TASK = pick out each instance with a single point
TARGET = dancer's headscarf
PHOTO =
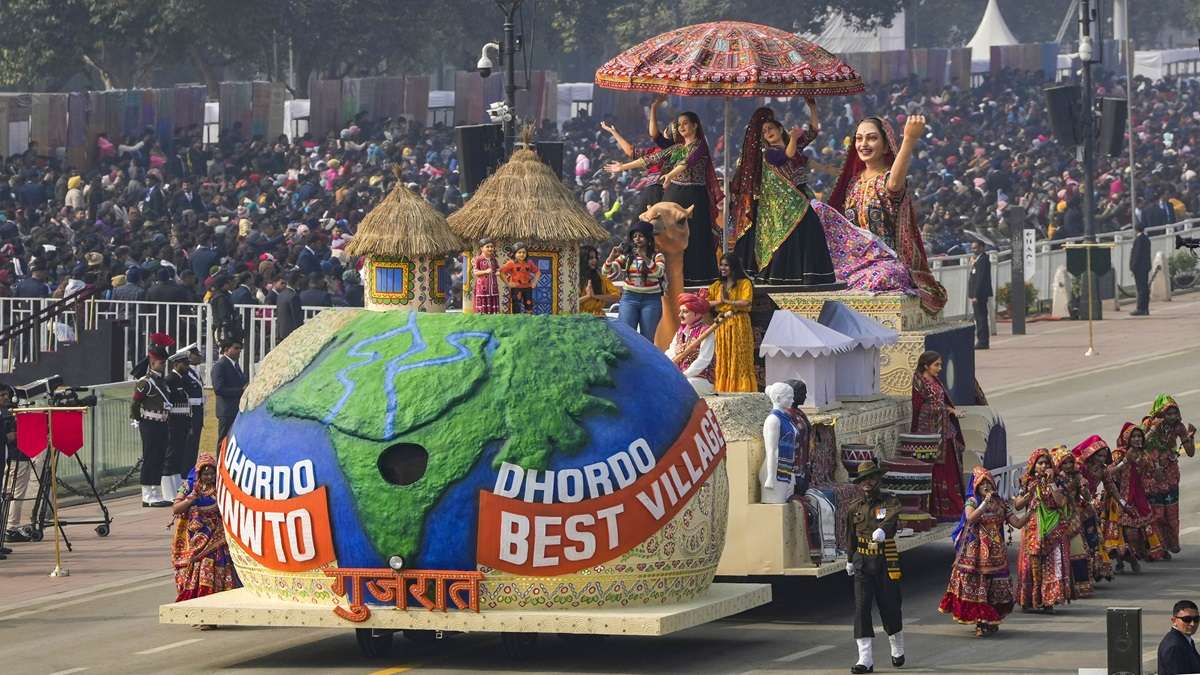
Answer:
(909, 246)
(748, 178)
(203, 460)
(1084, 451)
(978, 477)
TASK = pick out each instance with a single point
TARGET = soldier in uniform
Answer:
(875, 566)
(179, 423)
(195, 391)
(149, 411)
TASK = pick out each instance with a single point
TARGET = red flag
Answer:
(32, 432)
(68, 430)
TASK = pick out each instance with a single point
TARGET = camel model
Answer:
(670, 221)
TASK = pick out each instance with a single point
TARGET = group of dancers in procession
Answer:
(1084, 513)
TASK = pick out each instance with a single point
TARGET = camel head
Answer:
(670, 221)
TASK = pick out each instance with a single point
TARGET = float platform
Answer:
(241, 607)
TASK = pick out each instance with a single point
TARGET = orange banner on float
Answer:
(289, 535)
(536, 539)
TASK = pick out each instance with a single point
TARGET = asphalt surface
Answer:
(806, 629)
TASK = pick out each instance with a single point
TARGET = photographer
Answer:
(18, 467)
(8, 453)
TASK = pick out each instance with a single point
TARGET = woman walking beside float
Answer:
(1131, 464)
(199, 551)
(933, 413)
(872, 192)
(980, 590)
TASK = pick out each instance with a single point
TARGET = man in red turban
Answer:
(692, 353)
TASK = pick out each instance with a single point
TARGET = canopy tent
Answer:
(992, 32)
(841, 37)
(798, 347)
(857, 369)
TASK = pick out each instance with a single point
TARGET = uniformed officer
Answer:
(179, 423)
(149, 411)
(195, 391)
(875, 565)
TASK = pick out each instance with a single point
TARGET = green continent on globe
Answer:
(453, 384)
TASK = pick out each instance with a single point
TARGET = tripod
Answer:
(44, 507)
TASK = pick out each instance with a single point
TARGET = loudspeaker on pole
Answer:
(480, 152)
(1112, 125)
(1062, 103)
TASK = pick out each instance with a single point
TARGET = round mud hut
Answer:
(406, 243)
(524, 201)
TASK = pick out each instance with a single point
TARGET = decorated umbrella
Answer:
(729, 58)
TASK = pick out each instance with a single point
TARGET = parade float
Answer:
(402, 470)
(406, 469)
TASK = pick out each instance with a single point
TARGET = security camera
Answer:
(485, 65)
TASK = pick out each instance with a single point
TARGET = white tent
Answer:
(992, 32)
(858, 368)
(800, 348)
(840, 37)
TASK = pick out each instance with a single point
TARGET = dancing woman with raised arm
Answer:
(872, 192)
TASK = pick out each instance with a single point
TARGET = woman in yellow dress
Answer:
(734, 292)
(596, 292)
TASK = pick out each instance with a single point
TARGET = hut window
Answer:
(392, 282)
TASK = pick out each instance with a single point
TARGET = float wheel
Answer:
(518, 645)
(374, 644)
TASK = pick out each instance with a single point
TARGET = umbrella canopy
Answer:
(729, 58)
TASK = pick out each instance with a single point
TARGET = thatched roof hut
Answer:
(525, 201)
(404, 224)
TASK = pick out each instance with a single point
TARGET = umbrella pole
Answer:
(725, 226)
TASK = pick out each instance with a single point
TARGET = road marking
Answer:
(1089, 418)
(1034, 431)
(915, 619)
(1189, 530)
(1143, 404)
(68, 671)
(392, 671)
(795, 656)
(164, 648)
(89, 594)
(1189, 392)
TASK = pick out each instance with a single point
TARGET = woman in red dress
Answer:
(980, 589)
(933, 413)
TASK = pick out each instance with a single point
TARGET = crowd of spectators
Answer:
(251, 216)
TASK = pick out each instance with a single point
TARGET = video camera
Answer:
(1187, 242)
(50, 391)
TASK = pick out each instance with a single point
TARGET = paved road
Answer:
(806, 629)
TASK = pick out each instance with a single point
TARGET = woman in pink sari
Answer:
(933, 413)
(872, 192)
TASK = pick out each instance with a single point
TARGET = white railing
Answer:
(191, 322)
(186, 322)
(953, 271)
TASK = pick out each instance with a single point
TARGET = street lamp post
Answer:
(1088, 122)
(509, 56)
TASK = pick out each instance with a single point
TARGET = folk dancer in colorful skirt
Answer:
(1094, 461)
(875, 565)
(691, 181)
(872, 192)
(1077, 511)
(734, 292)
(1166, 434)
(1130, 463)
(933, 413)
(980, 589)
(487, 286)
(775, 233)
(649, 187)
(1043, 561)
(695, 363)
(199, 551)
